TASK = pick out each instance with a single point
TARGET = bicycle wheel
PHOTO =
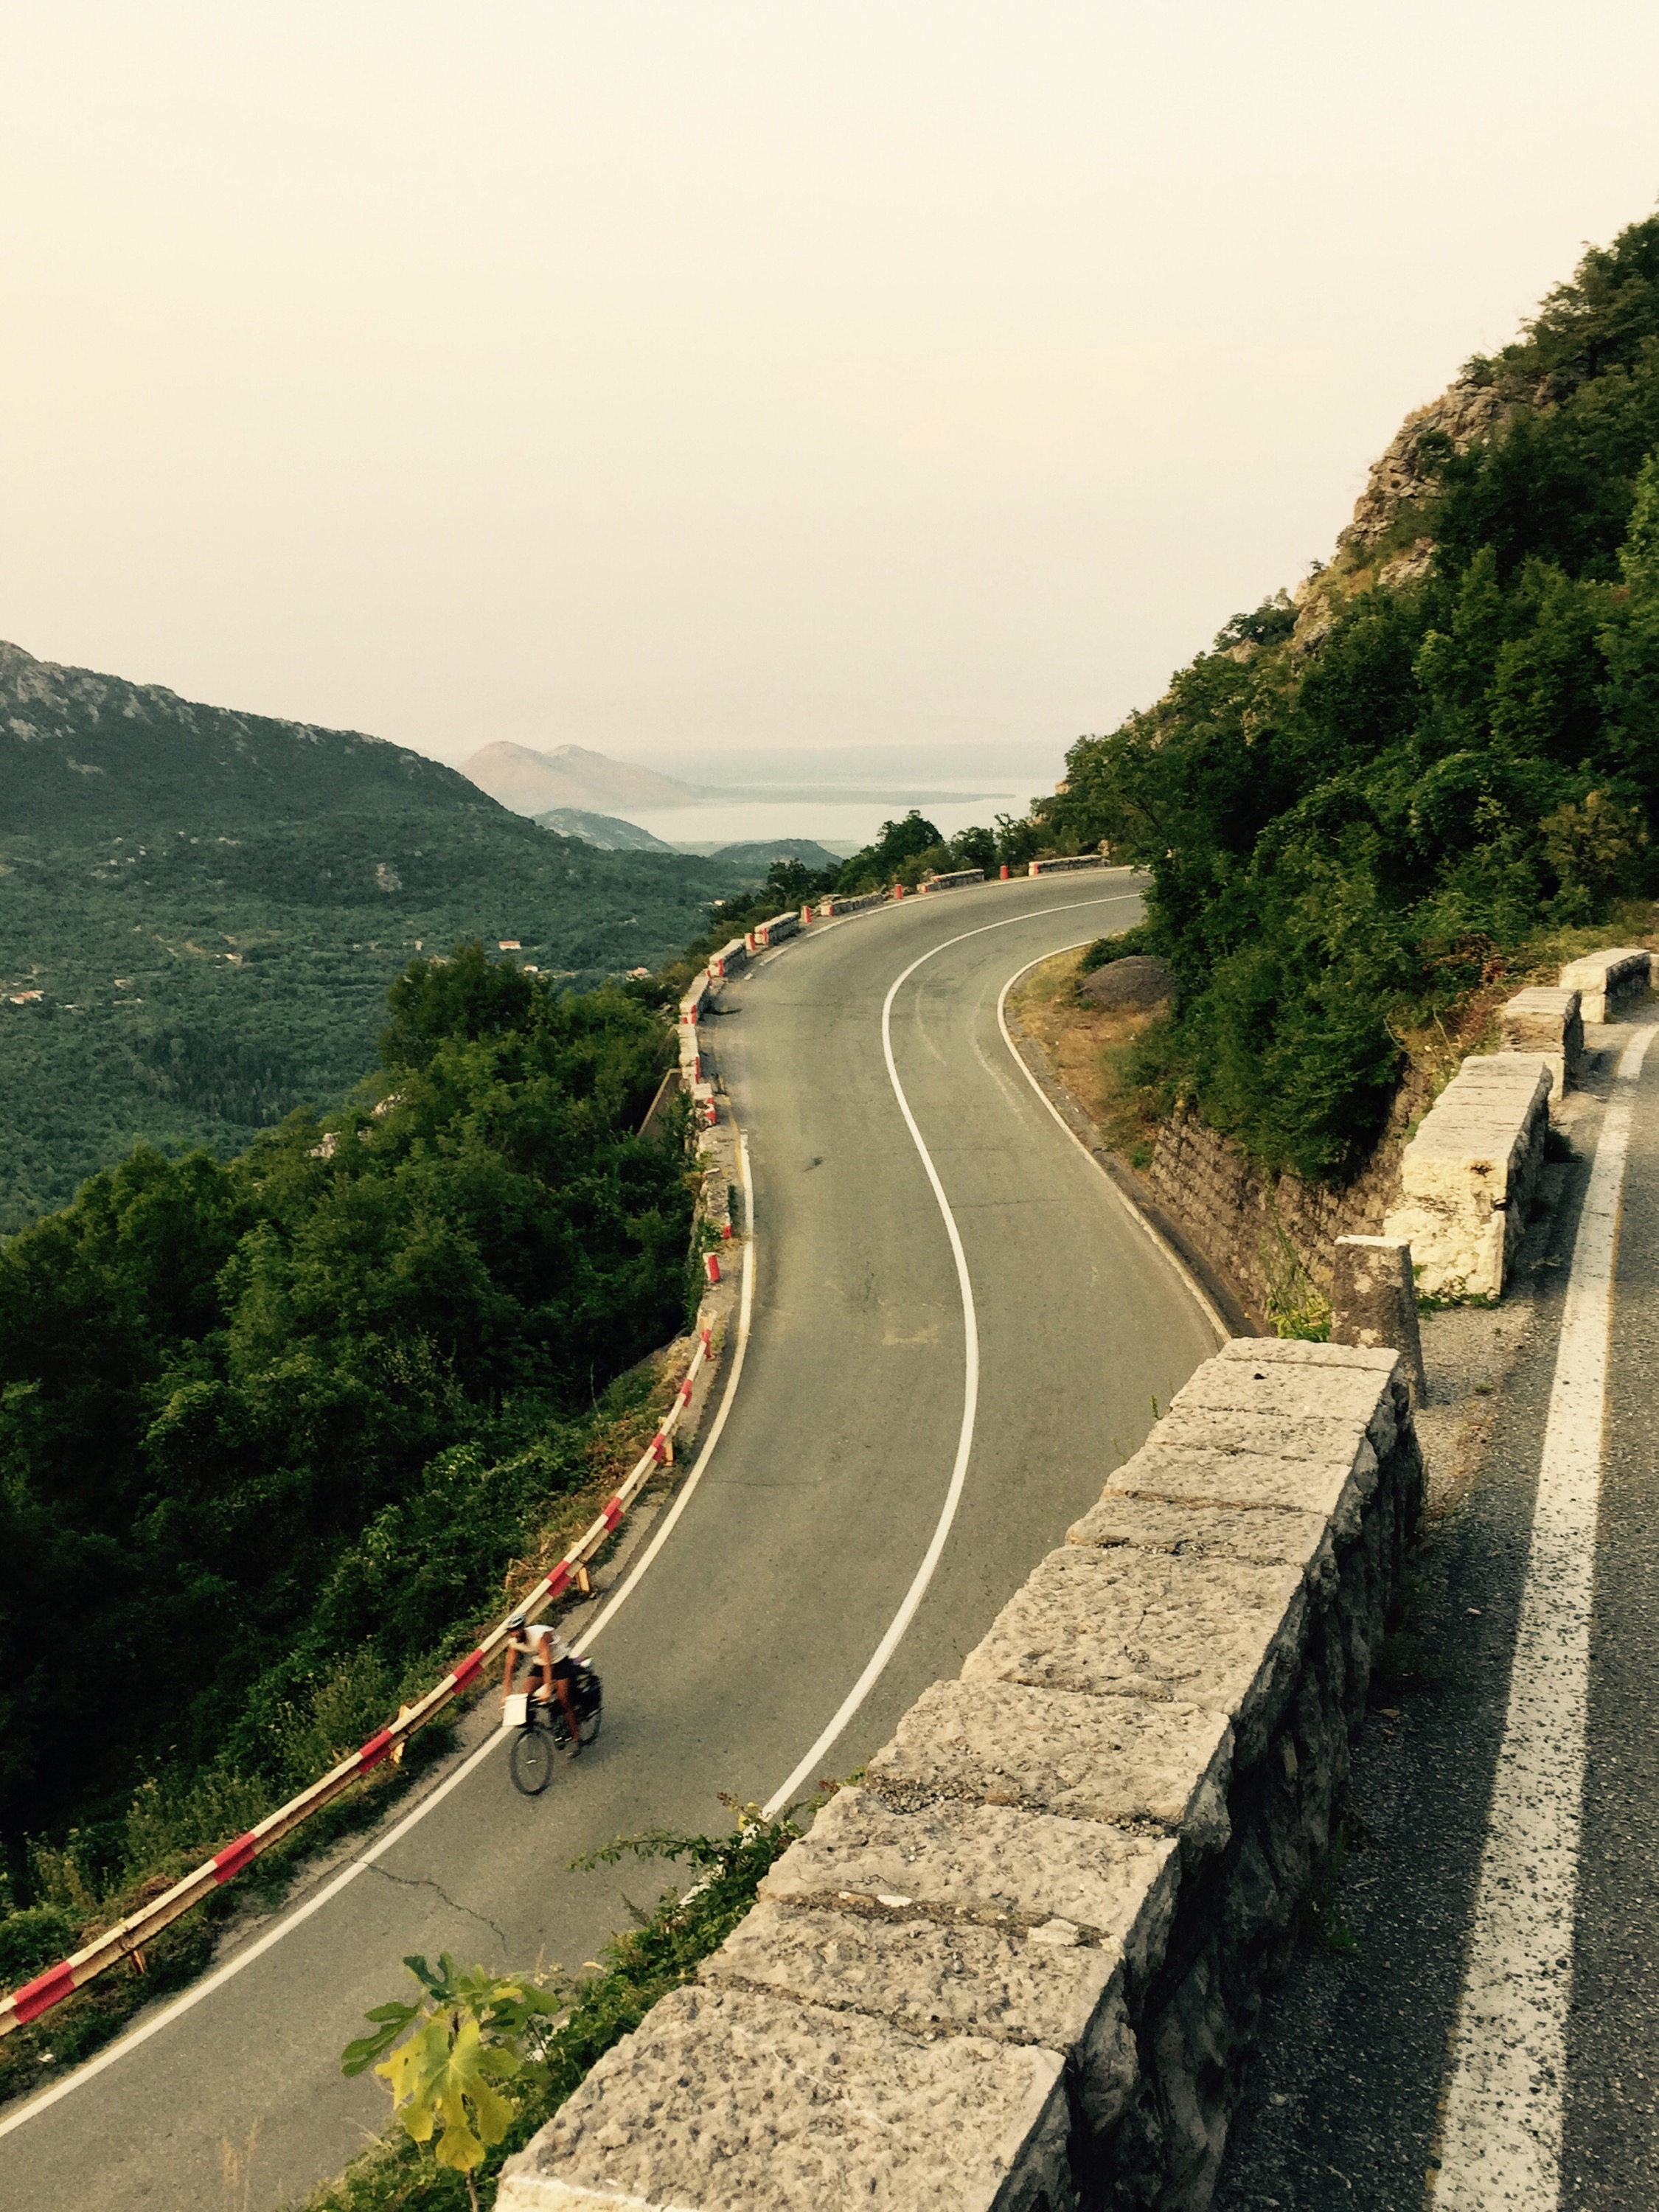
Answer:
(588, 1726)
(531, 1760)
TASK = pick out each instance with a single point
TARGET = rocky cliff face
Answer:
(1466, 410)
(1367, 550)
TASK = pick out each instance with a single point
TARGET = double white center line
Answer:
(1501, 2126)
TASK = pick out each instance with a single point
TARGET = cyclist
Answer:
(549, 1655)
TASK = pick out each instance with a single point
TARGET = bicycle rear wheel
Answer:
(531, 1760)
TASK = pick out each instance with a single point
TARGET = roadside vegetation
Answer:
(194, 990)
(1360, 812)
(1095, 1051)
(545, 2031)
(276, 1431)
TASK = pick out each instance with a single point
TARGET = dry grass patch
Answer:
(1088, 1049)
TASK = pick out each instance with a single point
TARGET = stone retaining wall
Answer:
(1601, 979)
(1019, 1968)
(1270, 1236)
(1551, 1025)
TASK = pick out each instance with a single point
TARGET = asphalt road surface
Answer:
(1349, 2095)
(797, 1552)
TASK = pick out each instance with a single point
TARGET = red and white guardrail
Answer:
(128, 1938)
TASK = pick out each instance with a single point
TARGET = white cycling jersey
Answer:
(536, 1633)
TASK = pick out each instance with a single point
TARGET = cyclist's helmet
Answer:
(516, 1622)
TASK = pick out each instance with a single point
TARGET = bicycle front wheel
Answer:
(531, 1760)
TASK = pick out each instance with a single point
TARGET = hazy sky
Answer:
(667, 377)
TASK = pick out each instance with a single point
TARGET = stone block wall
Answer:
(833, 906)
(1262, 1231)
(1549, 1024)
(1603, 978)
(1017, 1969)
(1467, 1177)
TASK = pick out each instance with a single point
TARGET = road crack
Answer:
(425, 1881)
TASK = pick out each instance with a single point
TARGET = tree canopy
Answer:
(254, 1413)
(1348, 820)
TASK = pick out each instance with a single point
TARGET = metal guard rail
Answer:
(130, 1936)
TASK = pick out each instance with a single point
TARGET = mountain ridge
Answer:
(201, 912)
(533, 782)
(77, 745)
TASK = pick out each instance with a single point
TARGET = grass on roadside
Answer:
(1093, 1050)
(635, 1969)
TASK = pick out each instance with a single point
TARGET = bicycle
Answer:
(544, 1731)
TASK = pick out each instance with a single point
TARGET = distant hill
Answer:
(605, 832)
(569, 776)
(79, 750)
(200, 911)
(761, 852)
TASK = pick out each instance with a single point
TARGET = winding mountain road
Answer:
(957, 1328)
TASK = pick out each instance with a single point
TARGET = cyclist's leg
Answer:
(564, 1682)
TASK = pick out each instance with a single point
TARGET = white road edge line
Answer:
(195, 1995)
(924, 1575)
(1500, 2131)
(1189, 1281)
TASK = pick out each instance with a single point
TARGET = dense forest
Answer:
(1359, 806)
(201, 912)
(270, 1427)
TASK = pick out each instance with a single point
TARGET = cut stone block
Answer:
(1491, 1071)
(724, 2100)
(1280, 1391)
(923, 1975)
(1468, 1176)
(1374, 1302)
(1335, 1485)
(1624, 971)
(1295, 1351)
(1219, 1634)
(1318, 1438)
(1262, 1536)
(1549, 1024)
(989, 1864)
(1046, 1986)
(1136, 1764)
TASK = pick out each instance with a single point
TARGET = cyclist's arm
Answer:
(508, 1670)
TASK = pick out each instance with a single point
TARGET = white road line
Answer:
(1500, 2142)
(194, 1996)
(808, 1771)
(1189, 1282)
